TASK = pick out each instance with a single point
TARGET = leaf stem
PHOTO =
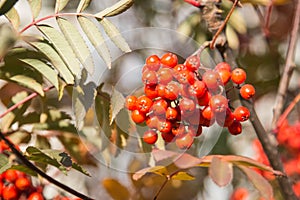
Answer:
(40, 172)
(34, 22)
(288, 68)
(161, 188)
(235, 3)
(28, 98)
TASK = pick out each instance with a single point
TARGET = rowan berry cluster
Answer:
(182, 98)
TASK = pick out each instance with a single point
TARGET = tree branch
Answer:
(40, 172)
(288, 68)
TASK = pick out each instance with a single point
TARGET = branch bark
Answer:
(288, 68)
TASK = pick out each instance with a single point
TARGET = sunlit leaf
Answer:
(35, 6)
(6, 5)
(55, 59)
(96, 39)
(183, 176)
(115, 35)
(117, 103)
(14, 18)
(28, 82)
(83, 4)
(44, 69)
(62, 47)
(115, 189)
(19, 137)
(185, 161)
(232, 37)
(159, 170)
(115, 9)
(4, 163)
(77, 43)
(60, 4)
(237, 22)
(220, 171)
(261, 184)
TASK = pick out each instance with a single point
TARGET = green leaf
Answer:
(115, 35)
(220, 171)
(232, 37)
(55, 59)
(28, 82)
(4, 163)
(20, 137)
(44, 69)
(237, 22)
(183, 176)
(116, 9)
(14, 18)
(62, 47)
(24, 169)
(8, 39)
(117, 103)
(115, 189)
(60, 4)
(6, 5)
(83, 4)
(80, 169)
(96, 39)
(77, 43)
(261, 184)
(35, 6)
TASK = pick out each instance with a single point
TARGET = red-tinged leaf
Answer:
(220, 171)
(115, 189)
(183, 176)
(159, 170)
(248, 162)
(185, 161)
(261, 184)
(160, 155)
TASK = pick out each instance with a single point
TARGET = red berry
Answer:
(164, 126)
(241, 113)
(10, 192)
(238, 76)
(23, 183)
(168, 137)
(150, 137)
(152, 122)
(171, 91)
(218, 103)
(192, 63)
(225, 76)
(211, 79)
(225, 119)
(240, 194)
(10, 175)
(138, 116)
(185, 77)
(153, 62)
(161, 90)
(130, 102)
(169, 60)
(199, 131)
(197, 89)
(151, 91)
(207, 113)
(185, 141)
(144, 104)
(178, 68)
(223, 66)
(171, 113)
(178, 129)
(187, 106)
(149, 78)
(35, 196)
(159, 107)
(1, 188)
(235, 128)
(164, 76)
(247, 91)
(204, 99)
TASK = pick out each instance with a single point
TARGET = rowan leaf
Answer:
(117, 103)
(115, 9)
(55, 59)
(260, 183)
(4, 163)
(8, 38)
(159, 170)
(112, 185)
(220, 171)
(96, 38)
(62, 47)
(77, 43)
(14, 18)
(44, 69)
(35, 6)
(28, 82)
(6, 5)
(60, 4)
(115, 35)
(83, 4)
(183, 176)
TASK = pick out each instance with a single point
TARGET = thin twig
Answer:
(288, 68)
(235, 3)
(268, 19)
(40, 172)
(28, 98)
(161, 188)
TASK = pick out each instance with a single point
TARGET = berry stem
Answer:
(28, 98)
(288, 68)
(40, 172)
(212, 43)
